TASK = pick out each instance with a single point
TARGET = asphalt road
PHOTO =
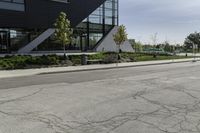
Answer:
(151, 99)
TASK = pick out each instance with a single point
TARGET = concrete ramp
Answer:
(109, 45)
(29, 47)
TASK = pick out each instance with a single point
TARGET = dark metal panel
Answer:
(43, 13)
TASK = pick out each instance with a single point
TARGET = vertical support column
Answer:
(8, 42)
(117, 12)
(103, 10)
(88, 35)
(113, 12)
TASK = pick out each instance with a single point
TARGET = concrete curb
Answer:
(118, 67)
(29, 72)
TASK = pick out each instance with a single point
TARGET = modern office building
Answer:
(27, 25)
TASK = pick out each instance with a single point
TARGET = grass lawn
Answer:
(151, 58)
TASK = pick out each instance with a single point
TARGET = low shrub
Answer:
(20, 62)
(110, 58)
(97, 56)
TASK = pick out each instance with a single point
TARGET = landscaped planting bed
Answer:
(25, 62)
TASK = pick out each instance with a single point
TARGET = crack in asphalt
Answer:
(162, 116)
(117, 121)
(20, 98)
(111, 124)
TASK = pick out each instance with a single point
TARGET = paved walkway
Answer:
(28, 72)
(189, 54)
(50, 53)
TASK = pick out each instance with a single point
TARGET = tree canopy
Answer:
(192, 39)
(63, 31)
(121, 36)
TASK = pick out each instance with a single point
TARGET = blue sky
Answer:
(172, 20)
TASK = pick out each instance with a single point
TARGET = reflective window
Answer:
(99, 23)
(86, 35)
(63, 1)
(16, 5)
(90, 31)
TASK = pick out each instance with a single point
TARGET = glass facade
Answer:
(87, 34)
(13, 39)
(17, 5)
(90, 31)
(97, 25)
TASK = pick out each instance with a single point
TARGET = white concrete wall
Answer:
(109, 45)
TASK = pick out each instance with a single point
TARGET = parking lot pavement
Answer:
(151, 99)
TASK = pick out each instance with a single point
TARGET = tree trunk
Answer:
(64, 51)
(119, 51)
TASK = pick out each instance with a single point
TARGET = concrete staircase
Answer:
(33, 44)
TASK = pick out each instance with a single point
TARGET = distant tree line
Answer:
(192, 42)
(166, 46)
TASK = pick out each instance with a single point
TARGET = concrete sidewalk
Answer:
(28, 72)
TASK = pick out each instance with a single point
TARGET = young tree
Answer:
(120, 37)
(154, 39)
(192, 40)
(167, 47)
(132, 42)
(63, 31)
(137, 45)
